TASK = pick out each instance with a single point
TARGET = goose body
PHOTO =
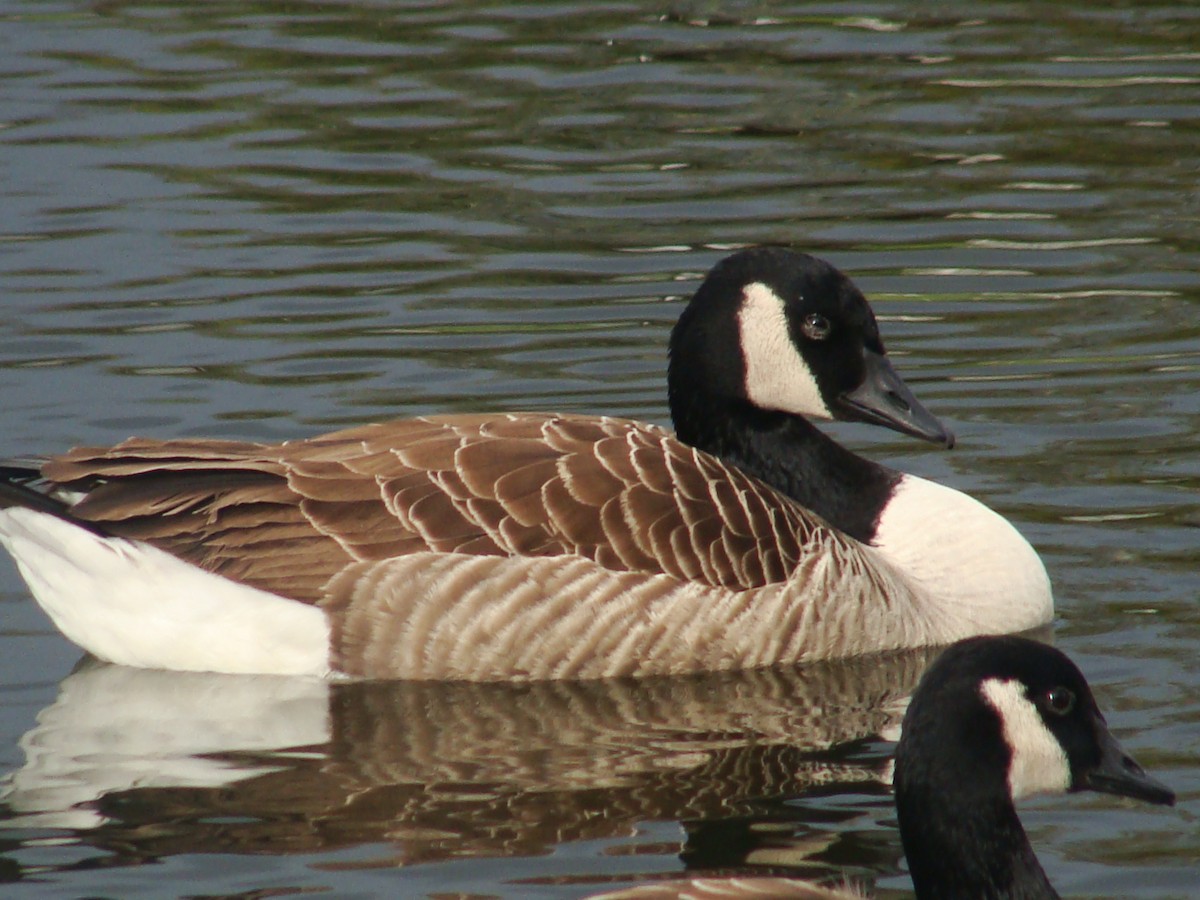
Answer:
(531, 546)
(993, 720)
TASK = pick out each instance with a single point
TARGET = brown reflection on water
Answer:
(446, 770)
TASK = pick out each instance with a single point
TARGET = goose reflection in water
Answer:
(147, 764)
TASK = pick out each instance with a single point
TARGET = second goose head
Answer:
(996, 719)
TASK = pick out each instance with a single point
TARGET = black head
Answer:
(992, 720)
(1040, 716)
(786, 332)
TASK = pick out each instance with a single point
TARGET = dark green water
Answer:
(258, 220)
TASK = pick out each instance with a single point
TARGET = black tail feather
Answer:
(22, 486)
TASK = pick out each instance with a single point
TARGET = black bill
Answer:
(1118, 773)
(884, 399)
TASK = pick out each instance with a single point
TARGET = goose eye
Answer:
(815, 327)
(1059, 700)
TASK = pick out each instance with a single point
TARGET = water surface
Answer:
(259, 219)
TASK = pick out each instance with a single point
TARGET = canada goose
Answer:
(531, 546)
(994, 719)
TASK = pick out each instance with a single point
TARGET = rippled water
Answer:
(259, 219)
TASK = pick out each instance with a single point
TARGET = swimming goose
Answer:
(993, 720)
(535, 546)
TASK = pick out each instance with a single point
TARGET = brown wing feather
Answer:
(289, 518)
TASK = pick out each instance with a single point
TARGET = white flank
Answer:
(131, 603)
(981, 575)
(1039, 764)
(777, 377)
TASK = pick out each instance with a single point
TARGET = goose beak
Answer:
(884, 399)
(1118, 773)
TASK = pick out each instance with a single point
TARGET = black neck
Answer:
(792, 456)
(961, 833)
(980, 851)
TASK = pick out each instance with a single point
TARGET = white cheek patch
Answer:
(1039, 763)
(777, 377)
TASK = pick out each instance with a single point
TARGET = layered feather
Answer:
(508, 547)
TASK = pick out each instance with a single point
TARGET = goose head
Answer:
(996, 719)
(777, 331)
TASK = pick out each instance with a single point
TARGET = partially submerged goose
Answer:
(531, 546)
(993, 720)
